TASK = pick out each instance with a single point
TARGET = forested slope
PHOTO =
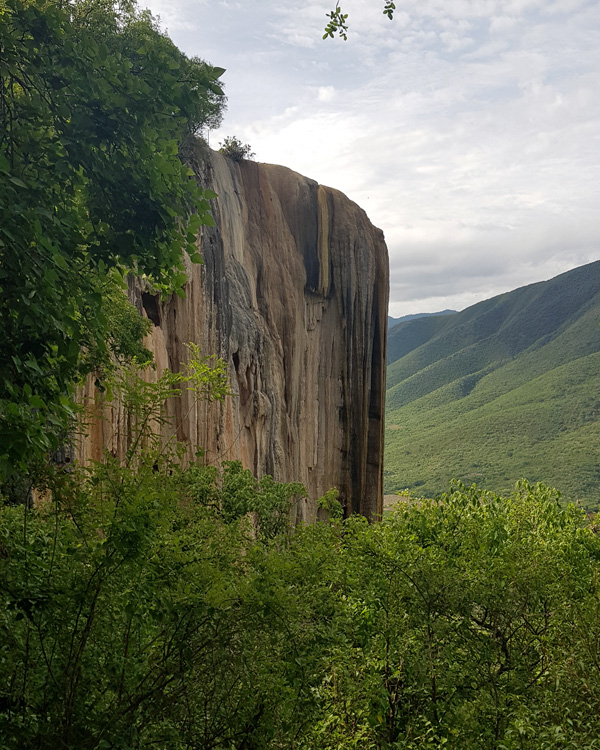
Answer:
(504, 389)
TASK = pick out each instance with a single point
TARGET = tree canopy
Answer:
(143, 608)
(96, 106)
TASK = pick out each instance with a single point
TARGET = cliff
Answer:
(293, 296)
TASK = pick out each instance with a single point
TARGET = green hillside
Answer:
(508, 388)
(394, 321)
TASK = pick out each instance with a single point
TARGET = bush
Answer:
(140, 609)
(234, 149)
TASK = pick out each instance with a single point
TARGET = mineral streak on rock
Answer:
(293, 296)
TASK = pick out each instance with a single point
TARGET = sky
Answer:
(468, 130)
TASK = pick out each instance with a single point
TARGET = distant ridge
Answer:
(509, 387)
(392, 321)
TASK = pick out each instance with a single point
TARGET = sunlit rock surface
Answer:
(293, 296)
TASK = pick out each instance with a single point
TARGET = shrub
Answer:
(234, 149)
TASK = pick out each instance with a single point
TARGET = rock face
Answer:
(293, 296)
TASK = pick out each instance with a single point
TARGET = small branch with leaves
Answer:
(338, 20)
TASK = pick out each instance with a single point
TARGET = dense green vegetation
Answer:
(508, 388)
(394, 321)
(144, 608)
(98, 111)
(234, 149)
(155, 604)
(150, 604)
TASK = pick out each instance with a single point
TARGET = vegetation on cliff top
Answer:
(234, 149)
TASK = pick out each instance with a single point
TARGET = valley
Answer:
(506, 389)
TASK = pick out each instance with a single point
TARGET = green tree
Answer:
(466, 622)
(136, 614)
(140, 609)
(96, 107)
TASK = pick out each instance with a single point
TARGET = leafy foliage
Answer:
(151, 605)
(97, 105)
(338, 20)
(144, 400)
(236, 493)
(128, 600)
(234, 149)
(462, 611)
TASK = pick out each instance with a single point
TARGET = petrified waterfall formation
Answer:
(293, 296)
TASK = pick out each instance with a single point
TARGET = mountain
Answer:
(507, 388)
(392, 321)
(293, 295)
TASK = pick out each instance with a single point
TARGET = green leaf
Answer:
(60, 261)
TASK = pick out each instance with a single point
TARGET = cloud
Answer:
(325, 93)
(502, 24)
(469, 130)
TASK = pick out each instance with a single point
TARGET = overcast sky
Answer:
(469, 130)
